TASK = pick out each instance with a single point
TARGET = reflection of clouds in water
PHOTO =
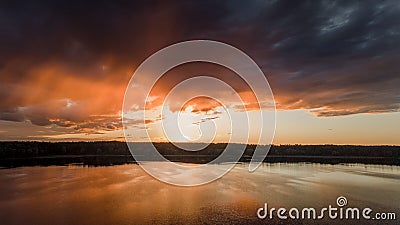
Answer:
(185, 175)
(16, 175)
(126, 194)
(126, 183)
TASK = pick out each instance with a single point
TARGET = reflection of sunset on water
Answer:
(123, 194)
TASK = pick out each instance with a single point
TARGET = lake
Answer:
(125, 194)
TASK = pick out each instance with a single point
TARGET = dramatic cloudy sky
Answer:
(333, 66)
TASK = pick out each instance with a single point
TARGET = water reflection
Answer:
(125, 194)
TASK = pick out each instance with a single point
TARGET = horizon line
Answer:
(142, 142)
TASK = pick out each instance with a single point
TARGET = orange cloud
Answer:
(53, 95)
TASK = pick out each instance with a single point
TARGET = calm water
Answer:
(127, 195)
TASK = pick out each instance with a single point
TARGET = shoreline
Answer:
(17, 154)
(112, 160)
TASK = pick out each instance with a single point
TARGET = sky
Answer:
(333, 66)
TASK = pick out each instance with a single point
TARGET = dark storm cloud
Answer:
(317, 54)
(83, 32)
(333, 57)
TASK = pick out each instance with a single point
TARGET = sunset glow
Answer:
(65, 79)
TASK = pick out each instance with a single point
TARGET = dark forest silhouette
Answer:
(14, 154)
